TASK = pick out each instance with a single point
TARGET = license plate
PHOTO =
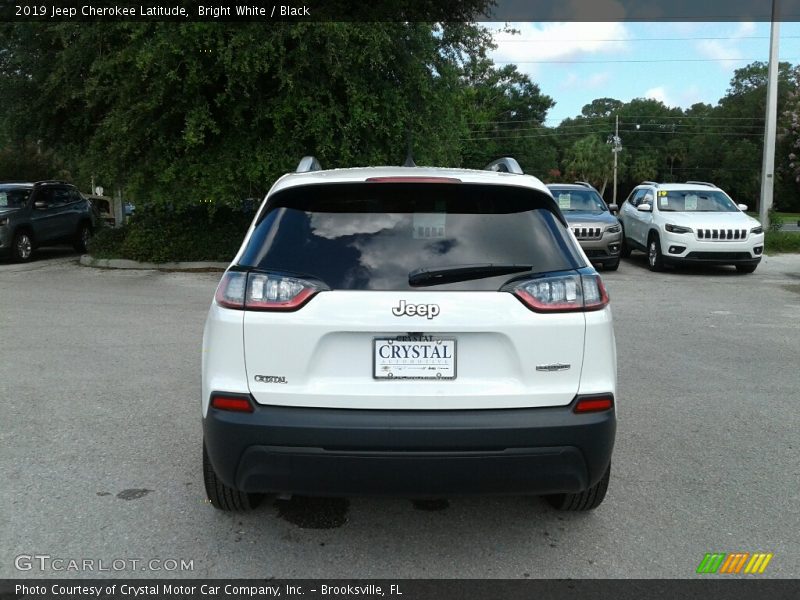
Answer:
(414, 359)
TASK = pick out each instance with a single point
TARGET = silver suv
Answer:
(42, 213)
(593, 222)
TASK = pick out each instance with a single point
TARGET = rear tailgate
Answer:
(324, 356)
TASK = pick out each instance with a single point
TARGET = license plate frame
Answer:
(382, 371)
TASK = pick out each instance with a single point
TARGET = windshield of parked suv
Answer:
(371, 236)
(694, 201)
(579, 200)
(13, 197)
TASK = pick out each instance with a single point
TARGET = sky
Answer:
(677, 63)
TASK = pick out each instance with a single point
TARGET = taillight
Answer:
(587, 404)
(230, 291)
(264, 291)
(562, 293)
(231, 403)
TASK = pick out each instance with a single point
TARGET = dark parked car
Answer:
(43, 214)
(592, 221)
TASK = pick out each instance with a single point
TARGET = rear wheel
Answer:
(82, 237)
(746, 268)
(22, 246)
(654, 257)
(585, 500)
(223, 497)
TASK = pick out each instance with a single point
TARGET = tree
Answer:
(601, 107)
(591, 160)
(211, 112)
(506, 113)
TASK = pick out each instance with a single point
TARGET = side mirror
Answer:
(742, 207)
(613, 208)
(644, 208)
(40, 205)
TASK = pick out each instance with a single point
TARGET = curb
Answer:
(120, 263)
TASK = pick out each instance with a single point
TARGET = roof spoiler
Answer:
(504, 165)
(308, 164)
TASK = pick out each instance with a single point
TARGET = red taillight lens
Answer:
(594, 404)
(563, 293)
(230, 291)
(264, 291)
(232, 403)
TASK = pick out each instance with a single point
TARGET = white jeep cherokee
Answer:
(692, 222)
(409, 331)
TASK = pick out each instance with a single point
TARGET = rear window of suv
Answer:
(370, 236)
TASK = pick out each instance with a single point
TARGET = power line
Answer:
(609, 119)
(641, 127)
(586, 133)
(668, 39)
(631, 60)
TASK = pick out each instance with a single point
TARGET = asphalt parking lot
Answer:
(100, 438)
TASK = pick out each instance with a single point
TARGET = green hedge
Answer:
(164, 236)
(782, 241)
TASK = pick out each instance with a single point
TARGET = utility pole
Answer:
(616, 147)
(768, 163)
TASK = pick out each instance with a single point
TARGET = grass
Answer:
(782, 242)
(783, 216)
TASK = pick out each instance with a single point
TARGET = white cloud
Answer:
(721, 50)
(572, 81)
(659, 93)
(598, 80)
(557, 41)
(691, 95)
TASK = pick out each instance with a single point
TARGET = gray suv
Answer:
(43, 213)
(592, 221)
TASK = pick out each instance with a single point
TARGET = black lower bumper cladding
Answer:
(341, 452)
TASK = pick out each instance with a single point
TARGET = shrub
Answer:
(106, 242)
(166, 235)
(782, 241)
(775, 220)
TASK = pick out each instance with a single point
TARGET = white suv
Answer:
(413, 332)
(692, 222)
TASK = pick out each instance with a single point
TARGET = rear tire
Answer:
(82, 237)
(22, 246)
(611, 266)
(746, 268)
(223, 497)
(582, 501)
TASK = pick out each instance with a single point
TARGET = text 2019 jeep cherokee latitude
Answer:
(413, 332)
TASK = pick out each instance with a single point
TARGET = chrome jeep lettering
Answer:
(411, 310)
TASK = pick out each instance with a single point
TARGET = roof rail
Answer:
(51, 181)
(702, 183)
(504, 165)
(307, 164)
(653, 183)
(585, 184)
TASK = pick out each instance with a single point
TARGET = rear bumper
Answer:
(341, 452)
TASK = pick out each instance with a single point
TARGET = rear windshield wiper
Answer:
(437, 275)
